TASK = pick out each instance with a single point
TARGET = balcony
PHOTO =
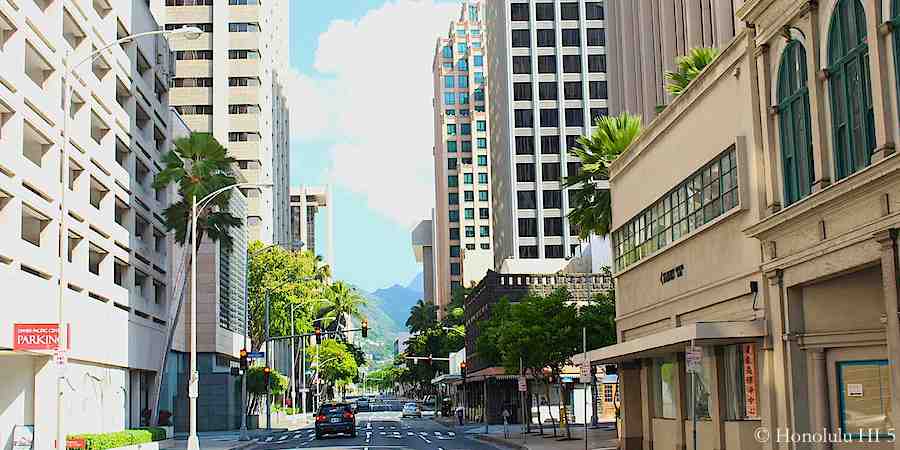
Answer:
(244, 13)
(243, 122)
(190, 96)
(199, 123)
(243, 40)
(243, 150)
(189, 14)
(243, 68)
(244, 95)
(195, 68)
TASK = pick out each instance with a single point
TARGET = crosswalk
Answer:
(389, 432)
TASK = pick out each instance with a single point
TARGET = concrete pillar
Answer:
(779, 380)
(717, 396)
(817, 106)
(45, 373)
(648, 402)
(879, 73)
(889, 263)
(682, 396)
(631, 434)
(818, 386)
(768, 141)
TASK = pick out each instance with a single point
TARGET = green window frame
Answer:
(794, 124)
(850, 89)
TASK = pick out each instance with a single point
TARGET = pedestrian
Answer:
(506, 416)
(459, 415)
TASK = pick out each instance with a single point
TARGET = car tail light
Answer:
(321, 418)
(348, 415)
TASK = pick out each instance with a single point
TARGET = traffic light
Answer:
(244, 362)
(266, 373)
(318, 335)
(365, 328)
(462, 369)
(429, 360)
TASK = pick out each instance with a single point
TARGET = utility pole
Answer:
(268, 357)
(586, 385)
(293, 365)
(303, 373)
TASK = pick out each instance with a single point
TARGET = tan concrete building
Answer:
(242, 103)
(769, 241)
(306, 201)
(462, 171)
(646, 37)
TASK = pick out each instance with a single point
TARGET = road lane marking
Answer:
(427, 441)
(269, 439)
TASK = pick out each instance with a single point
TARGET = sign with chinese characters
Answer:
(750, 393)
(36, 336)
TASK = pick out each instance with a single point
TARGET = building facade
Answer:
(647, 37)
(462, 153)
(305, 204)
(770, 243)
(547, 83)
(244, 105)
(118, 262)
(423, 249)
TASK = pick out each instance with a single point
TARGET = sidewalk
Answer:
(217, 440)
(598, 439)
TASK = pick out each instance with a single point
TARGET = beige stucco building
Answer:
(766, 236)
(242, 102)
(462, 172)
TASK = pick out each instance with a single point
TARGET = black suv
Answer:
(334, 418)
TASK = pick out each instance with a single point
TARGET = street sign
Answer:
(523, 384)
(303, 390)
(585, 372)
(694, 357)
(75, 443)
(36, 336)
(256, 355)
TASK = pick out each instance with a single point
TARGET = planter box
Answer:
(170, 431)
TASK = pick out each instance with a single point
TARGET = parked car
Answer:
(334, 418)
(362, 404)
(411, 410)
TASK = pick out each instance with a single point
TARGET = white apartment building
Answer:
(241, 102)
(547, 84)
(118, 261)
(461, 155)
(306, 201)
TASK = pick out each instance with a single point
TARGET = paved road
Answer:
(378, 431)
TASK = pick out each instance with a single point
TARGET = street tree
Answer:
(199, 165)
(341, 302)
(256, 385)
(336, 363)
(422, 315)
(591, 205)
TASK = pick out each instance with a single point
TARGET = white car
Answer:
(411, 410)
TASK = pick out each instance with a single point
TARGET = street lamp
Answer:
(69, 69)
(193, 443)
(298, 244)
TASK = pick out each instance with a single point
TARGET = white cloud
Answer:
(371, 94)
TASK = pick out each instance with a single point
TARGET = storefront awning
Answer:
(447, 379)
(672, 340)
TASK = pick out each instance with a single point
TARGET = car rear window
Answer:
(334, 409)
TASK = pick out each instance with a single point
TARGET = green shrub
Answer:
(104, 441)
(156, 433)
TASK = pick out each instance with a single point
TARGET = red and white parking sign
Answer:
(35, 336)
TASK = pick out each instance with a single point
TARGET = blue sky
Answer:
(361, 120)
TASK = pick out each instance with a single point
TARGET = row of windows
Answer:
(205, 27)
(552, 199)
(244, 27)
(203, 110)
(243, 54)
(452, 162)
(519, 12)
(550, 171)
(208, 81)
(450, 112)
(462, 47)
(468, 178)
(468, 197)
(548, 90)
(553, 226)
(549, 145)
(571, 37)
(707, 194)
(186, 55)
(549, 117)
(483, 230)
(455, 251)
(550, 251)
(547, 64)
(209, 2)
(465, 146)
(469, 213)
(470, 232)
(465, 129)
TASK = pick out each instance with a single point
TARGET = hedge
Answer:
(103, 441)
(156, 433)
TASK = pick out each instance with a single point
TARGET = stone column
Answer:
(780, 378)
(767, 138)
(817, 106)
(880, 76)
(648, 402)
(889, 263)
(818, 377)
(631, 434)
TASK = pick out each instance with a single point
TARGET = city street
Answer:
(380, 430)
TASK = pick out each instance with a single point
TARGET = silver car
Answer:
(411, 410)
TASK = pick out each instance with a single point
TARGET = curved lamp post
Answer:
(69, 69)
(193, 443)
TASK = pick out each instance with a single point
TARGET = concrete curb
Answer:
(499, 441)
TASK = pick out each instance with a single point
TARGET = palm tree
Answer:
(688, 67)
(422, 315)
(343, 302)
(200, 166)
(591, 206)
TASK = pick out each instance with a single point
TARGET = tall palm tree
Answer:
(422, 315)
(343, 302)
(200, 166)
(592, 208)
(687, 68)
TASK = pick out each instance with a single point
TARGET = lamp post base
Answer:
(193, 443)
(244, 435)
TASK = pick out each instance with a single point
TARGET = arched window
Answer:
(849, 86)
(793, 123)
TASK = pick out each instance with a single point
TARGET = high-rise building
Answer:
(241, 102)
(645, 38)
(461, 154)
(547, 83)
(305, 204)
(117, 264)
(422, 237)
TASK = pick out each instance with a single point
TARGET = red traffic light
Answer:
(365, 328)
(243, 353)
(267, 370)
